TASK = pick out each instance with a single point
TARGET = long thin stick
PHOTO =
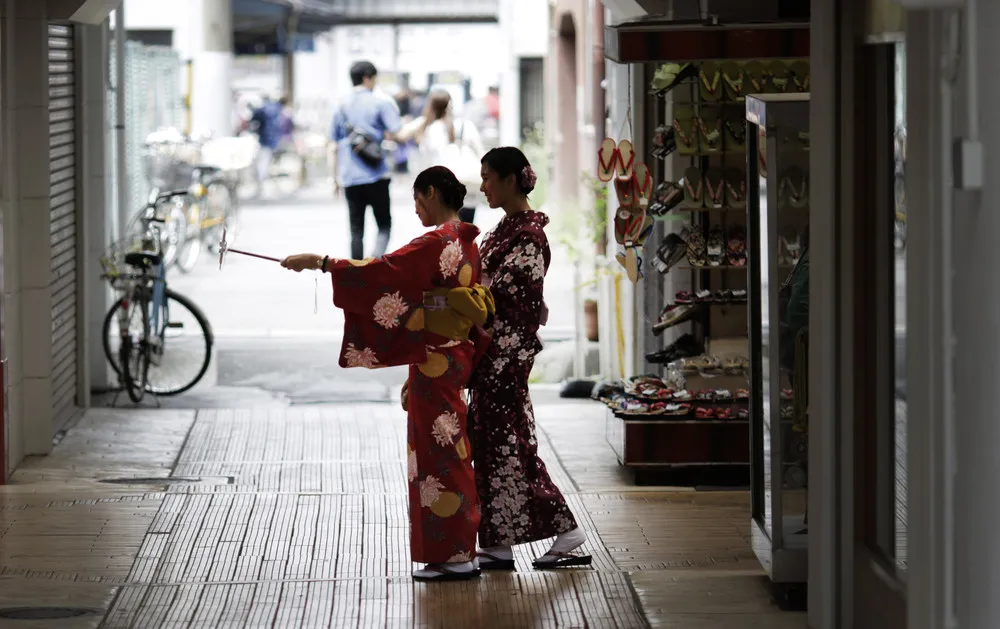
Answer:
(253, 255)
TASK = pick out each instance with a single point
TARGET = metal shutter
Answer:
(62, 208)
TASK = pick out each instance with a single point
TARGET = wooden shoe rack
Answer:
(706, 114)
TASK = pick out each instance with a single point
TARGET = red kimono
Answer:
(519, 500)
(385, 305)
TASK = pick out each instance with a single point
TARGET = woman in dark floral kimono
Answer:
(520, 503)
(416, 306)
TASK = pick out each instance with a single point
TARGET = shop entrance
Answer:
(878, 214)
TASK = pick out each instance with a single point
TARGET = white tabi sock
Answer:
(428, 571)
(568, 541)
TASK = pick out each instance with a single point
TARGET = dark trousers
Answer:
(359, 198)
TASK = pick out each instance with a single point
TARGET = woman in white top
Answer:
(443, 140)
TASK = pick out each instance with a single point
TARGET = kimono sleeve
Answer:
(517, 288)
(382, 300)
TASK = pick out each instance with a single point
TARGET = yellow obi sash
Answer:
(451, 312)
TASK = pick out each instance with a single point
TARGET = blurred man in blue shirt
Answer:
(269, 124)
(368, 116)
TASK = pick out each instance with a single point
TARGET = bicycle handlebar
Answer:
(166, 196)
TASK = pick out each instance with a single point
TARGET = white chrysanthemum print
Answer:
(388, 309)
(430, 491)
(445, 429)
(364, 357)
(508, 341)
(411, 466)
(528, 259)
(451, 257)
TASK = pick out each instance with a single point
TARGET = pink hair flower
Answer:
(529, 177)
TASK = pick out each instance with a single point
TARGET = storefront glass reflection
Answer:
(899, 244)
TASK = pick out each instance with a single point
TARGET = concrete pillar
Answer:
(212, 107)
(976, 311)
(27, 303)
(510, 78)
(98, 222)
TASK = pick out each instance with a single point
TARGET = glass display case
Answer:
(778, 225)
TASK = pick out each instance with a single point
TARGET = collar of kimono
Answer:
(452, 312)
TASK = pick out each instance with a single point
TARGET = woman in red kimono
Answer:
(416, 306)
(519, 501)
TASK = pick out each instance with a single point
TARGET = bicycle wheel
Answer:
(180, 355)
(133, 351)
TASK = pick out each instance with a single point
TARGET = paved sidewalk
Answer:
(297, 518)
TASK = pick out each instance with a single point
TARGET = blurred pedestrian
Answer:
(358, 163)
(444, 140)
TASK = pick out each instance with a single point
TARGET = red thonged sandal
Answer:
(643, 184)
(625, 189)
(607, 160)
(626, 160)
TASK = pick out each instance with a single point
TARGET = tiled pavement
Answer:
(299, 520)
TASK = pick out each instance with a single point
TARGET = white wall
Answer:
(529, 34)
(471, 49)
(524, 32)
(184, 17)
(200, 34)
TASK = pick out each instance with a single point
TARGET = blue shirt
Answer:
(375, 114)
(269, 124)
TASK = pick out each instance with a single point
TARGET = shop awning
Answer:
(657, 39)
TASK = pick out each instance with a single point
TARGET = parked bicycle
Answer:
(174, 161)
(157, 341)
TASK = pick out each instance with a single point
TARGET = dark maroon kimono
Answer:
(519, 501)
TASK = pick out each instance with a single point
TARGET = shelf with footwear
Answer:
(696, 327)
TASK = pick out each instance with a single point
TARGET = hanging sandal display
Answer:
(736, 188)
(665, 198)
(799, 74)
(732, 78)
(626, 160)
(797, 194)
(694, 189)
(710, 82)
(664, 142)
(736, 248)
(642, 182)
(676, 316)
(715, 247)
(670, 75)
(645, 231)
(671, 251)
(607, 160)
(625, 189)
(710, 131)
(734, 130)
(685, 131)
(715, 183)
(754, 73)
(696, 254)
(778, 77)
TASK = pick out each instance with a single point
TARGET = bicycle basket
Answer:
(113, 261)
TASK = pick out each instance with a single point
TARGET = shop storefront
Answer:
(818, 277)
